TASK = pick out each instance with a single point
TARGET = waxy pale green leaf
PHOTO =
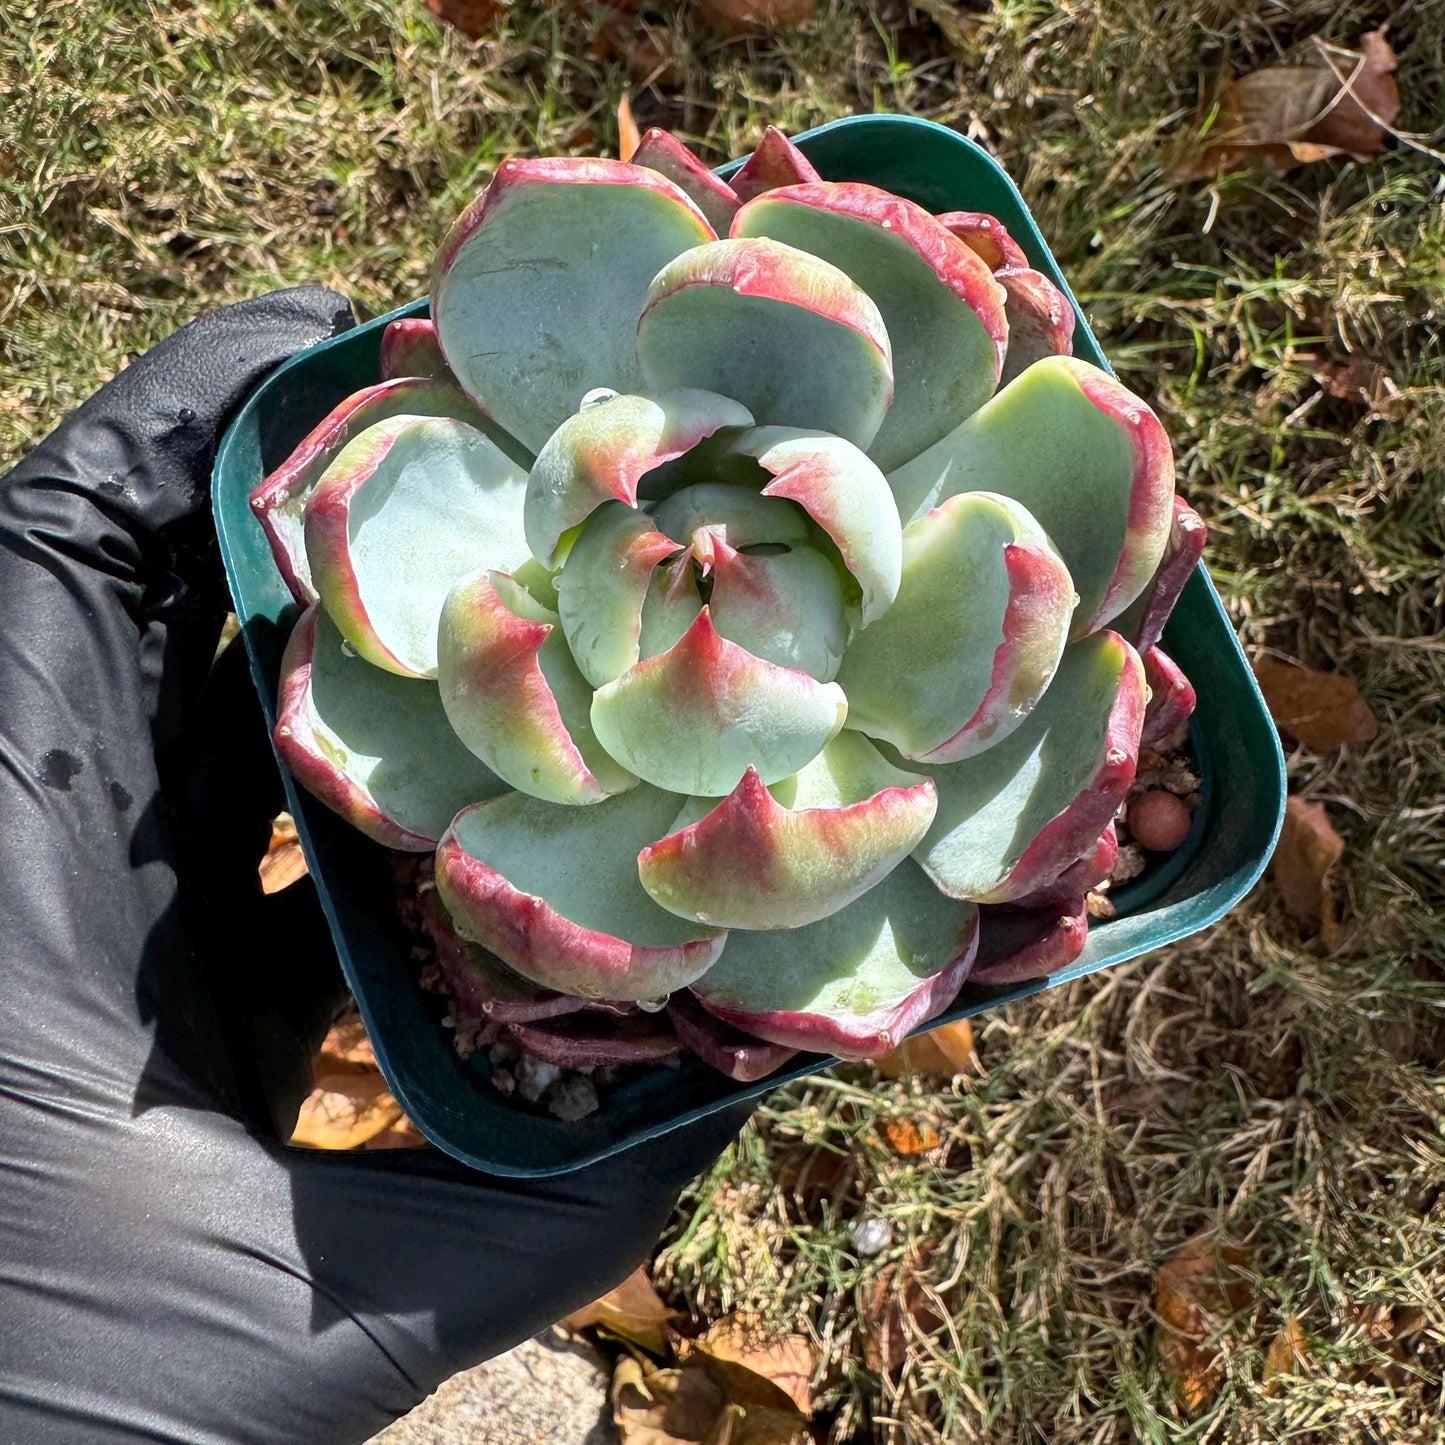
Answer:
(602, 453)
(515, 696)
(943, 311)
(844, 493)
(973, 638)
(785, 333)
(855, 983)
(695, 718)
(1012, 819)
(375, 747)
(1085, 456)
(538, 287)
(554, 893)
(381, 565)
(791, 855)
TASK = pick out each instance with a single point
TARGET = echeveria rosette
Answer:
(692, 584)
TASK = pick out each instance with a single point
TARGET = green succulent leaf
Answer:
(785, 607)
(280, 501)
(554, 893)
(538, 287)
(977, 630)
(515, 696)
(737, 515)
(602, 589)
(1040, 320)
(380, 563)
(786, 334)
(409, 347)
(1085, 456)
(790, 855)
(854, 983)
(373, 746)
(695, 718)
(602, 453)
(1012, 819)
(661, 151)
(943, 311)
(844, 493)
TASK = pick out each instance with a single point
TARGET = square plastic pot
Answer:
(450, 1098)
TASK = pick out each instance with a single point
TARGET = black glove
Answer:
(169, 1270)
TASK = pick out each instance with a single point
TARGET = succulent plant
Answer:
(738, 586)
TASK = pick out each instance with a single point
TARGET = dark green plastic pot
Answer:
(450, 1098)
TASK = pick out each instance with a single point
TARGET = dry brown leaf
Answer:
(1366, 383)
(1390, 1328)
(628, 135)
(736, 17)
(909, 1136)
(284, 862)
(704, 1401)
(633, 1311)
(1307, 850)
(1339, 102)
(1196, 1292)
(474, 18)
(812, 1176)
(1322, 710)
(345, 1110)
(788, 1361)
(402, 1135)
(1288, 1354)
(900, 1307)
(346, 1047)
(946, 1050)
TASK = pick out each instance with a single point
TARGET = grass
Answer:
(159, 159)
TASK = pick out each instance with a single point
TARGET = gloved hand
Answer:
(170, 1270)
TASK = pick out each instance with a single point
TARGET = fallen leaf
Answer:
(345, 1110)
(737, 17)
(628, 135)
(474, 18)
(1338, 102)
(704, 1401)
(946, 1050)
(812, 1176)
(1288, 1354)
(1196, 1292)
(1391, 1329)
(1357, 380)
(633, 1311)
(909, 1136)
(788, 1361)
(1322, 710)
(901, 1307)
(284, 862)
(1307, 850)
(402, 1135)
(346, 1047)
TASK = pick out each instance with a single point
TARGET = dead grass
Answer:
(157, 159)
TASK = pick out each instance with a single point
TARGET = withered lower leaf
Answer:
(909, 1136)
(1322, 710)
(901, 1307)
